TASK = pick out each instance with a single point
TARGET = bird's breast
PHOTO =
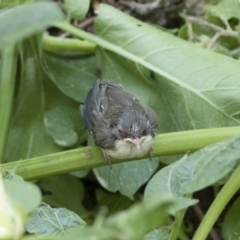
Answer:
(125, 149)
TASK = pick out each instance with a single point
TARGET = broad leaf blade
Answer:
(149, 215)
(64, 125)
(226, 9)
(167, 181)
(155, 210)
(189, 80)
(58, 221)
(77, 9)
(126, 177)
(114, 202)
(162, 233)
(209, 165)
(24, 194)
(27, 136)
(70, 186)
(25, 20)
(73, 76)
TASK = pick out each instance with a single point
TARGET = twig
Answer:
(219, 31)
(81, 25)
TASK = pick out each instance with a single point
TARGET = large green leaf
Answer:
(53, 221)
(149, 215)
(64, 125)
(197, 171)
(25, 20)
(162, 233)
(72, 189)
(23, 194)
(76, 9)
(36, 94)
(225, 8)
(131, 224)
(74, 76)
(126, 177)
(196, 88)
(168, 181)
(209, 165)
(165, 180)
(114, 202)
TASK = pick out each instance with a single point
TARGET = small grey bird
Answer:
(118, 122)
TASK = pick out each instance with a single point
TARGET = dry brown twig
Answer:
(219, 32)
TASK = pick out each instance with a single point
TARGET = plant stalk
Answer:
(7, 79)
(55, 44)
(91, 157)
(222, 199)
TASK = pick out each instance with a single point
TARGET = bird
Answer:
(120, 124)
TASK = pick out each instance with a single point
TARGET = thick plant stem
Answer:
(7, 78)
(90, 157)
(224, 196)
(56, 44)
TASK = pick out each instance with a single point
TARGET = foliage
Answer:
(189, 76)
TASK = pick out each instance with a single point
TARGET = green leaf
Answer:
(126, 177)
(165, 180)
(81, 173)
(77, 9)
(209, 165)
(189, 80)
(114, 202)
(10, 176)
(64, 191)
(168, 181)
(43, 14)
(162, 233)
(27, 136)
(154, 210)
(64, 125)
(73, 76)
(54, 221)
(24, 194)
(225, 8)
(123, 225)
(231, 222)
(13, 216)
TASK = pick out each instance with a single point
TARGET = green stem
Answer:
(183, 235)
(90, 157)
(177, 225)
(176, 228)
(7, 78)
(224, 196)
(56, 44)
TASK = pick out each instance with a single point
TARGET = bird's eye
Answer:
(144, 132)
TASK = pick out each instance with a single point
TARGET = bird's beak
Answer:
(136, 141)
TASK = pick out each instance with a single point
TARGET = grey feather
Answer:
(110, 113)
